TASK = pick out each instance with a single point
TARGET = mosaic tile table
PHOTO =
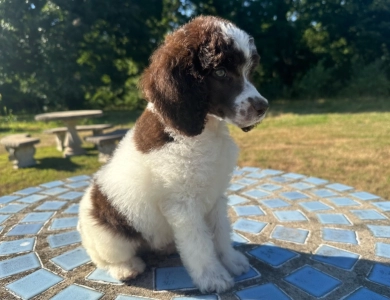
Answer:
(306, 238)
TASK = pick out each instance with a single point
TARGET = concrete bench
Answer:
(106, 143)
(21, 150)
(60, 132)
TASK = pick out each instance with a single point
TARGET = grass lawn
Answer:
(344, 141)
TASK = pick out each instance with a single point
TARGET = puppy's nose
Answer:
(260, 104)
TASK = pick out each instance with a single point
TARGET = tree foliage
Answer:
(69, 54)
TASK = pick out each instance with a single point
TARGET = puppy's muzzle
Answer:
(260, 106)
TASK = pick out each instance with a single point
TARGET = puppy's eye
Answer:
(220, 72)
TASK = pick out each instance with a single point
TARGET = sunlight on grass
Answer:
(352, 148)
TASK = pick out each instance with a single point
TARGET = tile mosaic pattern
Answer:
(305, 237)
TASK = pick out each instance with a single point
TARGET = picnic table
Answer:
(72, 144)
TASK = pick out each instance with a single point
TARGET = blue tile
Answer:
(316, 181)
(78, 184)
(368, 214)
(71, 196)
(77, 292)
(272, 255)
(248, 210)
(336, 257)
(73, 209)
(339, 236)
(34, 284)
(18, 265)
(262, 292)
(238, 239)
(301, 186)
(270, 187)
(294, 176)
(365, 196)
(295, 195)
(18, 246)
(32, 198)
(365, 294)
(63, 223)
(55, 191)
(37, 217)
(380, 231)
(343, 201)
(29, 191)
(314, 206)
(290, 216)
(51, 205)
(235, 187)
(271, 172)
(252, 273)
(238, 172)
(323, 193)
(275, 203)
(313, 281)
(256, 175)
(177, 278)
(380, 274)
(382, 250)
(64, 239)
(102, 275)
(79, 178)
(52, 184)
(385, 206)
(234, 200)
(8, 198)
(246, 181)
(250, 169)
(290, 234)
(12, 208)
(256, 194)
(72, 259)
(333, 219)
(172, 278)
(249, 226)
(22, 229)
(203, 297)
(339, 187)
(3, 218)
(280, 179)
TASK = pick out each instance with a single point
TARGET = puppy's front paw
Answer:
(235, 262)
(128, 270)
(214, 280)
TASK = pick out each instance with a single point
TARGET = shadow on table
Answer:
(326, 276)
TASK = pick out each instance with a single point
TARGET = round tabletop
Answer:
(68, 115)
(305, 238)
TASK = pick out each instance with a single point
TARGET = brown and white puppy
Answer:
(166, 181)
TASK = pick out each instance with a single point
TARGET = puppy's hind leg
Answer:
(113, 252)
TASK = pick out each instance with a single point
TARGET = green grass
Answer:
(342, 140)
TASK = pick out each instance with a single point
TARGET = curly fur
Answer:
(164, 186)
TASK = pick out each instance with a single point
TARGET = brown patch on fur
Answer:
(107, 216)
(149, 133)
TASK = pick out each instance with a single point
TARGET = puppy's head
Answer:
(202, 69)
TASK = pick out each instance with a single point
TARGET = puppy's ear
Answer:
(177, 90)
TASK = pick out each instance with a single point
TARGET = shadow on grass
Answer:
(56, 163)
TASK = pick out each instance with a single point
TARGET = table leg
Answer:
(72, 142)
